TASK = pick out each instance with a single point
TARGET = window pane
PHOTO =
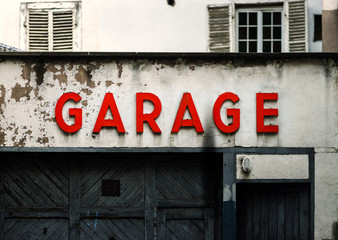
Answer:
(242, 33)
(242, 18)
(277, 32)
(267, 46)
(268, 24)
(242, 47)
(318, 28)
(266, 18)
(277, 46)
(267, 33)
(252, 18)
(253, 46)
(277, 18)
(253, 33)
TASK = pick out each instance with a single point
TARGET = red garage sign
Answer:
(187, 103)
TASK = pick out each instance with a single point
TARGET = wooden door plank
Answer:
(2, 200)
(304, 215)
(272, 215)
(149, 184)
(209, 224)
(74, 200)
(161, 224)
(280, 216)
(149, 204)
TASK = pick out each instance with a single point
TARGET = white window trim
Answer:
(75, 6)
(259, 11)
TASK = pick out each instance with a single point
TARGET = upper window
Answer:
(51, 26)
(259, 31)
(318, 28)
(279, 27)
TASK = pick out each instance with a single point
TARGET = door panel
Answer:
(35, 228)
(54, 195)
(186, 197)
(273, 211)
(112, 229)
(187, 223)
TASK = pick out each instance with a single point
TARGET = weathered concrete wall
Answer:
(326, 195)
(307, 100)
(274, 167)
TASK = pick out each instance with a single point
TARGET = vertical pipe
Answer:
(229, 197)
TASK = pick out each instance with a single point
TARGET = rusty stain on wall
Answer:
(84, 76)
(2, 138)
(84, 102)
(46, 117)
(36, 93)
(39, 72)
(120, 68)
(20, 143)
(19, 92)
(61, 76)
(109, 83)
(167, 62)
(87, 91)
(2, 98)
(43, 140)
(70, 67)
(192, 67)
(26, 71)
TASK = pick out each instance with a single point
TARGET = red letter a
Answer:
(187, 102)
(109, 102)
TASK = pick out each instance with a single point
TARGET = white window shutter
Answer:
(51, 26)
(219, 28)
(297, 26)
(38, 29)
(62, 30)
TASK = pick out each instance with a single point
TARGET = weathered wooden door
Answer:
(34, 196)
(186, 198)
(66, 196)
(273, 211)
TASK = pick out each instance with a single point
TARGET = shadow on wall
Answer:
(208, 140)
(335, 230)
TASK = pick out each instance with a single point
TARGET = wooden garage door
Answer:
(187, 191)
(34, 197)
(273, 211)
(60, 196)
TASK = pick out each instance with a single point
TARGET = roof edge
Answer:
(167, 55)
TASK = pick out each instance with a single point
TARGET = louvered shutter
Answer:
(38, 28)
(219, 28)
(297, 26)
(62, 30)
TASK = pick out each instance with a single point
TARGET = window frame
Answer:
(74, 6)
(259, 10)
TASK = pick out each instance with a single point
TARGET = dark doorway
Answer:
(273, 211)
(110, 195)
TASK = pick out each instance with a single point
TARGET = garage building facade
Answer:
(168, 146)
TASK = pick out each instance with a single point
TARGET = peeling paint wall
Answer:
(307, 101)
